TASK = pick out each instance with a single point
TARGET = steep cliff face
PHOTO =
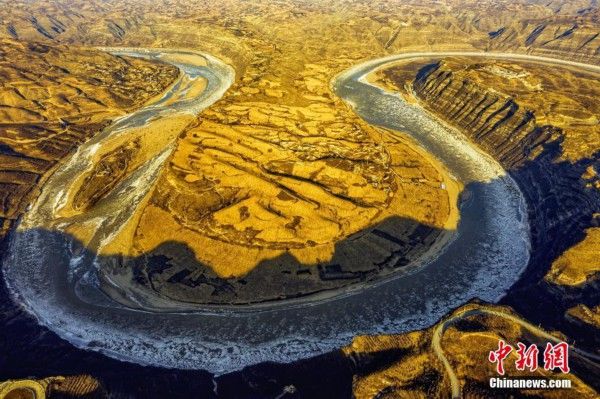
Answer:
(527, 117)
(492, 119)
(562, 196)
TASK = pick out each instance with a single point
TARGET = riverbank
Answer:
(487, 255)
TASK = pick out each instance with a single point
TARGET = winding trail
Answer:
(438, 332)
(53, 276)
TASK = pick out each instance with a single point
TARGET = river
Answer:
(50, 274)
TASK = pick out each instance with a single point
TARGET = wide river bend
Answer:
(44, 269)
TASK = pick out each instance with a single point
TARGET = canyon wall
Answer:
(562, 194)
(495, 121)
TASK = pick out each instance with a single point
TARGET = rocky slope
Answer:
(493, 120)
(531, 118)
(541, 123)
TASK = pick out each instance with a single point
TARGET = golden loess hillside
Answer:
(279, 172)
(52, 98)
(562, 28)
